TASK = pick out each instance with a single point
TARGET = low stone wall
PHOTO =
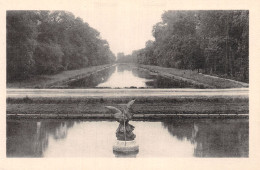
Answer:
(135, 117)
(143, 108)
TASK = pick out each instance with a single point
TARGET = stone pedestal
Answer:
(125, 148)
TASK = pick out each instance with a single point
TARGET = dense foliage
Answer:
(46, 42)
(215, 42)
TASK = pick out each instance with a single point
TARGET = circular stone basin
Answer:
(126, 147)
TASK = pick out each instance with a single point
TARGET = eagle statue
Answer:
(124, 131)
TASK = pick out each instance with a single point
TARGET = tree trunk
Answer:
(227, 52)
(230, 62)
(226, 57)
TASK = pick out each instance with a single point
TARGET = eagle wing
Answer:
(113, 109)
(117, 113)
(129, 104)
(128, 107)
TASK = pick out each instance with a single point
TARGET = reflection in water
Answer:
(212, 138)
(123, 77)
(128, 76)
(171, 138)
(93, 80)
(125, 155)
(162, 82)
(31, 139)
(157, 81)
(124, 67)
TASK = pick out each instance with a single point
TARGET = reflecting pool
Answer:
(166, 138)
(127, 76)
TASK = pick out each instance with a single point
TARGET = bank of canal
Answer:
(193, 77)
(51, 81)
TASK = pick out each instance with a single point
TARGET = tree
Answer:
(214, 41)
(46, 42)
(21, 34)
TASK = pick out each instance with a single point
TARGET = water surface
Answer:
(127, 76)
(169, 138)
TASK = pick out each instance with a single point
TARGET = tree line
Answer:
(47, 42)
(122, 58)
(213, 42)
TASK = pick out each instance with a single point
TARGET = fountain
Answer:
(125, 144)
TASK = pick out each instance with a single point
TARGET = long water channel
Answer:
(127, 76)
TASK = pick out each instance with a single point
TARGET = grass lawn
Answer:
(194, 77)
(45, 81)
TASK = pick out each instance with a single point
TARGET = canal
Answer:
(127, 76)
(165, 138)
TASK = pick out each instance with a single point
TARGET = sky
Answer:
(125, 25)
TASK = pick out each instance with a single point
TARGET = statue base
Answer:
(126, 148)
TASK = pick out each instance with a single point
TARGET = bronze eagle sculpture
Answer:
(124, 131)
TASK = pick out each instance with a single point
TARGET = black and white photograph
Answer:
(127, 80)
